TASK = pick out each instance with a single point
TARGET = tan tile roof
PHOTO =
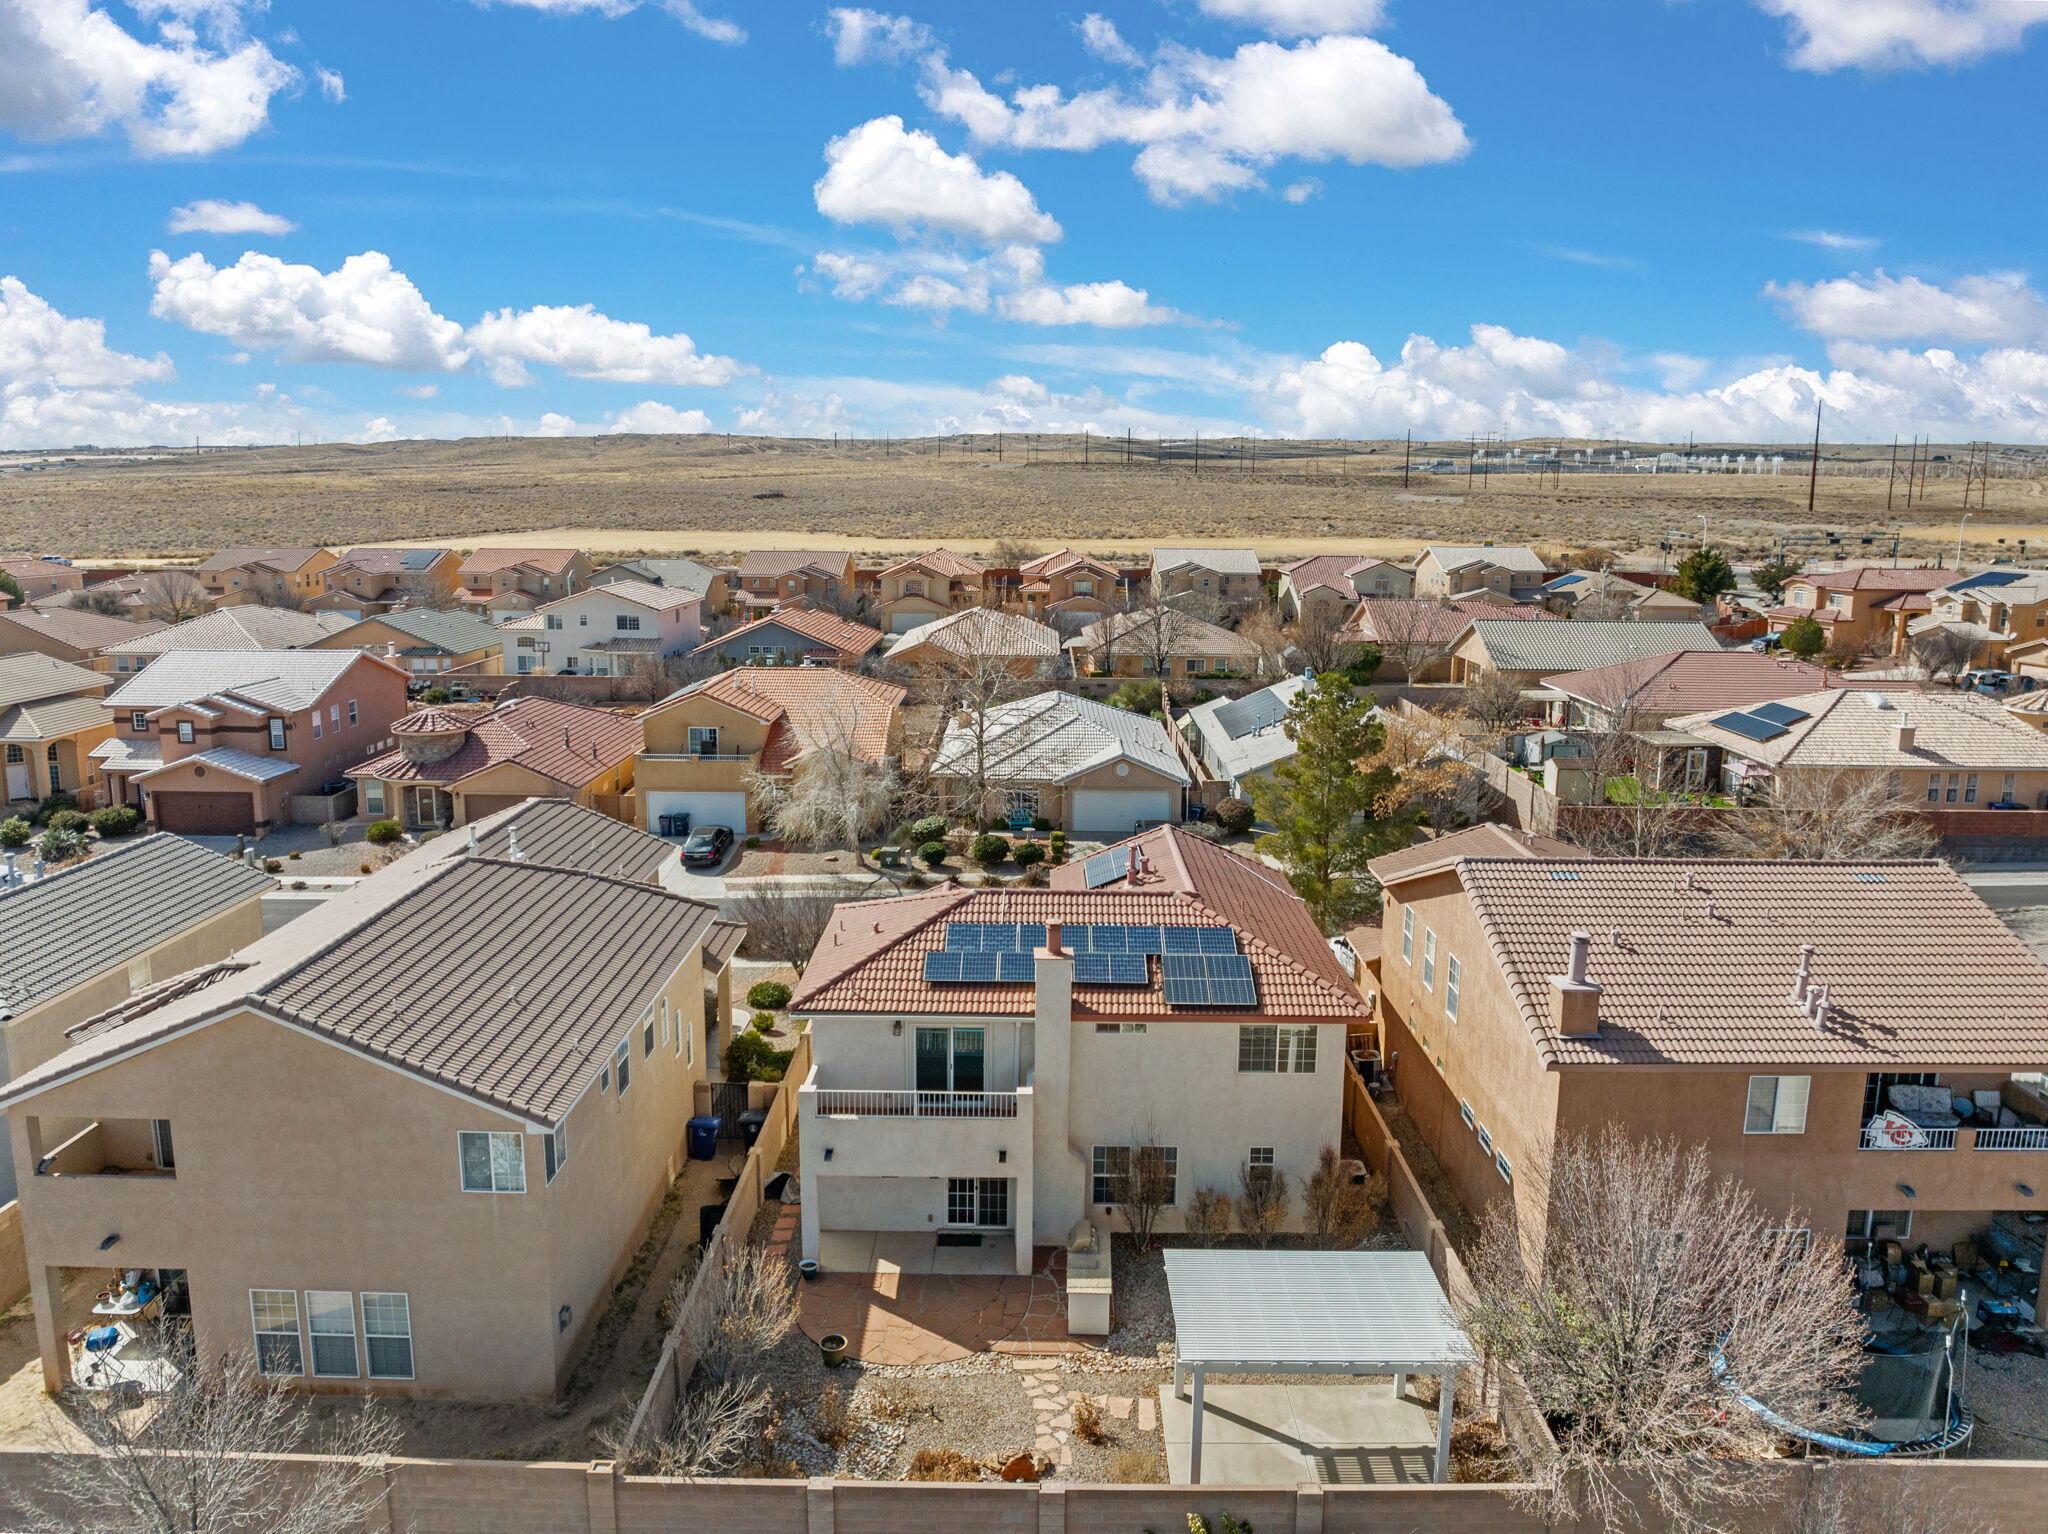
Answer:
(564, 741)
(1417, 621)
(941, 561)
(490, 561)
(871, 959)
(32, 676)
(976, 631)
(806, 706)
(1061, 560)
(382, 561)
(1876, 578)
(1851, 727)
(1920, 972)
(1691, 680)
(1486, 840)
(641, 593)
(828, 629)
(284, 561)
(833, 562)
(523, 1026)
(234, 628)
(73, 626)
(1185, 635)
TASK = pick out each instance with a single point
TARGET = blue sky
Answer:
(1635, 218)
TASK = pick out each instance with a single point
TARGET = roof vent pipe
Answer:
(1908, 731)
(1821, 1008)
(472, 841)
(512, 848)
(1575, 1000)
(1582, 948)
(1802, 982)
(1053, 935)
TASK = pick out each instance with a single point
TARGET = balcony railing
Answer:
(838, 1103)
(2026, 1139)
(1929, 1140)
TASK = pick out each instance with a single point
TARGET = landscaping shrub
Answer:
(382, 833)
(15, 832)
(1040, 823)
(1233, 815)
(273, 866)
(1056, 847)
(61, 846)
(761, 1022)
(768, 995)
(752, 1058)
(1090, 1426)
(68, 820)
(295, 856)
(1136, 697)
(114, 820)
(930, 829)
(989, 849)
(942, 1465)
(753, 841)
(933, 853)
(56, 804)
(437, 695)
(1027, 853)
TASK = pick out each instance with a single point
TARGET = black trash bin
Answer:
(750, 1124)
(708, 1216)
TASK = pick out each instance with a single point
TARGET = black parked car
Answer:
(708, 845)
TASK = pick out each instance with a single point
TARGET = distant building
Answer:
(1229, 575)
(1457, 570)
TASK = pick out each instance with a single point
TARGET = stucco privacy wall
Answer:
(492, 1497)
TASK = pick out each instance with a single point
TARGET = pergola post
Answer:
(1195, 1438)
(1446, 1402)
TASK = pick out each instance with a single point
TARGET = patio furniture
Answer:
(1927, 1107)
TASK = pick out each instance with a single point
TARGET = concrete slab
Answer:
(995, 1257)
(1356, 1432)
(902, 1251)
(846, 1251)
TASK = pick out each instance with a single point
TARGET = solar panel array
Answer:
(972, 968)
(1111, 969)
(1200, 940)
(1208, 980)
(994, 936)
(1749, 726)
(1106, 867)
(1779, 713)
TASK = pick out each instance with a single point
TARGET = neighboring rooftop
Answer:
(435, 631)
(982, 631)
(1222, 561)
(386, 561)
(236, 628)
(281, 561)
(1052, 737)
(832, 562)
(1874, 578)
(1577, 646)
(1331, 571)
(680, 574)
(283, 680)
(805, 707)
(1696, 962)
(1140, 632)
(1488, 839)
(827, 630)
(1689, 680)
(566, 742)
(1244, 734)
(640, 593)
(31, 677)
(1405, 620)
(1852, 727)
(79, 922)
(1516, 557)
(76, 628)
(940, 561)
(491, 561)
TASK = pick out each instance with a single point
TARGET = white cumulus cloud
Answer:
(1206, 125)
(1299, 18)
(884, 173)
(1009, 283)
(655, 417)
(1995, 309)
(71, 70)
(1902, 34)
(1834, 239)
(364, 311)
(861, 36)
(212, 215)
(42, 349)
(586, 344)
(1101, 38)
(331, 84)
(685, 11)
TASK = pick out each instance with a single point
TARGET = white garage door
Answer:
(728, 809)
(1104, 814)
(903, 623)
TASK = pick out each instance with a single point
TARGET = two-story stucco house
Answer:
(768, 578)
(41, 578)
(1066, 587)
(278, 577)
(1228, 575)
(2002, 610)
(927, 586)
(986, 1061)
(51, 717)
(794, 636)
(406, 1143)
(1776, 1013)
(1325, 587)
(456, 764)
(367, 581)
(616, 629)
(1867, 609)
(1508, 572)
(218, 741)
(503, 583)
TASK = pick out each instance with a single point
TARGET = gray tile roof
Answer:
(1517, 557)
(77, 923)
(237, 628)
(48, 718)
(243, 764)
(30, 677)
(1055, 736)
(1513, 645)
(455, 632)
(1222, 561)
(1243, 735)
(566, 835)
(1848, 727)
(683, 574)
(282, 679)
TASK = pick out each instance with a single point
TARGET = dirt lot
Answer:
(712, 495)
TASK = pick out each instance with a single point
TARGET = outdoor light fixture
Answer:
(113, 1240)
(828, 1153)
(562, 1319)
(896, 1028)
(1907, 1189)
(1002, 1155)
(2023, 1190)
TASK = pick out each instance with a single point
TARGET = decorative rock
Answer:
(1024, 1467)
(1120, 1407)
(1148, 1415)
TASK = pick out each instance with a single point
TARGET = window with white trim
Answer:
(1429, 958)
(1408, 933)
(1260, 1158)
(138, 721)
(331, 1319)
(1270, 1048)
(387, 1334)
(492, 1161)
(373, 797)
(626, 623)
(351, 712)
(1799, 1238)
(334, 716)
(647, 1037)
(1110, 1169)
(622, 1066)
(555, 1149)
(1506, 1168)
(274, 1317)
(1870, 1225)
(1452, 972)
(315, 716)
(184, 732)
(1777, 1105)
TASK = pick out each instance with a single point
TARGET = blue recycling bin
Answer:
(703, 1139)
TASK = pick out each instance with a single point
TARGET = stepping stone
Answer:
(1061, 1424)
(1148, 1414)
(1045, 1404)
(1120, 1407)
(1064, 1457)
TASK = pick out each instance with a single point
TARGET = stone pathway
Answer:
(1053, 1408)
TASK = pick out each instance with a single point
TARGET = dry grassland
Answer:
(619, 495)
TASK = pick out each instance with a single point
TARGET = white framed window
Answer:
(1485, 1136)
(1273, 1049)
(1801, 1237)
(703, 740)
(1502, 1165)
(334, 716)
(554, 620)
(331, 1319)
(1119, 1027)
(492, 1161)
(387, 1335)
(1879, 1225)
(1777, 1105)
(184, 732)
(604, 1077)
(274, 1317)
(1465, 1113)
(647, 1036)
(555, 1150)
(1969, 788)
(352, 712)
(138, 721)
(1260, 1158)
(1429, 958)
(373, 797)
(1408, 934)
(1452, 973)
(1110, 1165)
(622, 1065)
(626, 623)
(316, 723)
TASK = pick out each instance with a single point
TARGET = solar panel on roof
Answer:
(1016, 966)
(1748, 726)
(1110, 969)
(1208, 980)
(1106, 867)
(1199, 940)
(1111, 937)
(951, 967)
(994, 936)
(1780, 713)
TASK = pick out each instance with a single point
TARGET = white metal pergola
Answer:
(1312, 1313)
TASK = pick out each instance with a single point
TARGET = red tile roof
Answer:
(1330, 571)
(833, 562)
(828, 629)
(942, 561)
(806, 707)
(1694, 680)
(564, 741)
(490, 561)
(1876, 578)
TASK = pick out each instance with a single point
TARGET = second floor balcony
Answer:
(837, 1102)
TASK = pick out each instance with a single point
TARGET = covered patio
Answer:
(1309, 1313)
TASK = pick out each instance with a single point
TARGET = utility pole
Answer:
(1891, 475)
(1198, 452)
(999, 447)
(1813, 476)
(1407, 452)
(1912, 465)
(1127, 447)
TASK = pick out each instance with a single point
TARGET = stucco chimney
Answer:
(1907, 733)
(1574, 999)
(1052, 940)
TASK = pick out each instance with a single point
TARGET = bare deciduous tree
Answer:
(1607, 599)
(1653, 1277)
(1831, 816)
(1426, 758)
(1413, 634)
(712, 1430)
(786, 927)
(103, 599)
(1638, 822)
(834, 795)
(1319, 639)
(1009, 553)
(172, 596)
(202, 1459)
(974, 690)
(1495, 703)
(1339, 1213)
(1142, 1181)
(1209, 1215)
(1943, 651)
(1261, 1202)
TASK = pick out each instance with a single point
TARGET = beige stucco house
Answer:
(455, 764)
(1326, 587)
(1066, 587)
(1228, 575)
(375, 580)
(1099, 771)
(1161, 642)
(768, 578)
(422, 1187)
(51, 717)
(1510, 572)
(503, 583)
(974, 640)
(426, 641)
(927, 586)
(278, 577)
(1867, 609)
